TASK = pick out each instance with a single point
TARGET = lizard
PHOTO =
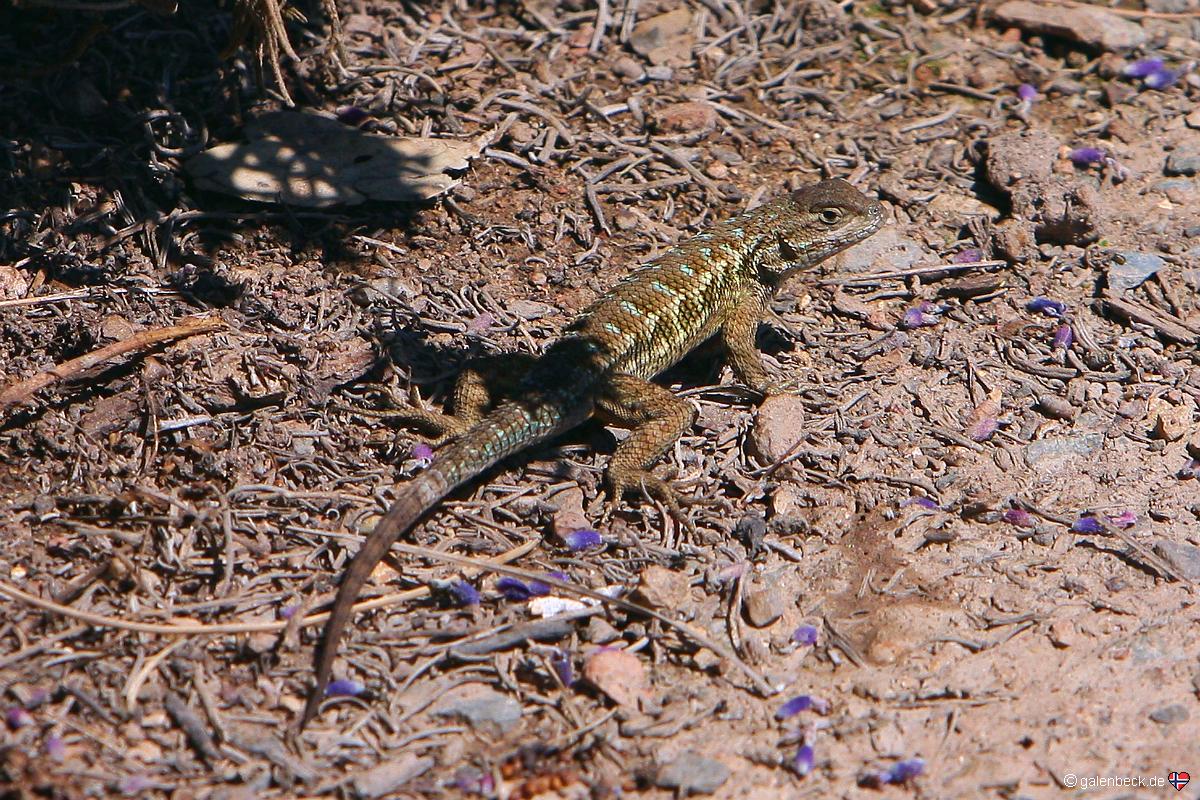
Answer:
(718, 283)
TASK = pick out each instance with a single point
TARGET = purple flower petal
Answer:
(344, 687)
(584, 539)
(538, 588)
(1019, 517)
(919, 500)
(464, 593)
(806, 634)
(794, 706)
(904, 771)
(1161, 78)
(1087, 524)
(1063, 337)
(1142, 68)
(1126, 519)
(968, 256)
(56, 748)
(982, 430)
(921, 315)
(1086, 156)
(514, 589)
(421, 452)
(16, 718)
(471, 780)
(480, 324)
(1027, 92)
(1044, 305)
(802, 764)
(561, 661)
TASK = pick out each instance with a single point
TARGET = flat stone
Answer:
(1173, 185)
(886, 251)
(480, 706)
(390, 776)
(1184, 558)
(1050, 455)
(693, 773)
(664, 39)
(1170, 715)
(1128, 269)
(778, 427)
(1020, 155)
(664, 589)
(1184, 161)
(1091, 26)
(693, 118)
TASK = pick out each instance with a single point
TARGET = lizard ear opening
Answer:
(789, 251)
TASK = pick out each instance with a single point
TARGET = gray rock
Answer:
(1049, 455)
(885, 251)
(692, 772)
(1184, 161)
(1170, 715)
(1174, 185)
(1128, 269)
(1090, 26)
(1183, 558)
(482, 706)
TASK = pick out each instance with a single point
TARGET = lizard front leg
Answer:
(738, 334)
(657, 419)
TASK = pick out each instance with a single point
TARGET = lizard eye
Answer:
(830, 215)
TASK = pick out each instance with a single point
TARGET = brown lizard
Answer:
(719, 282)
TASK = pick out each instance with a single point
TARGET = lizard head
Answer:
(821, 219)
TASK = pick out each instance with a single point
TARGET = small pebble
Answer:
(1056, 407)
(763, 607)
(693, 773)
(1170, 715)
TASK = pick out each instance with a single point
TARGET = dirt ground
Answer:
(960, 560)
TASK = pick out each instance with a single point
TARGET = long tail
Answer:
(508, 429)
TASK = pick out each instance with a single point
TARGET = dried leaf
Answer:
(313, 161)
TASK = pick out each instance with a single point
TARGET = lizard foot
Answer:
(777, 386)
(444, 427)
(652, 487)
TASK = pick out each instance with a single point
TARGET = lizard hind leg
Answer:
(480, 386)
(657, 419)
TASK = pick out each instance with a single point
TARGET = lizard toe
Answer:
(652, 487)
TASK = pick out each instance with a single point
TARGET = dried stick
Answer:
(19, 393)
(201, 629)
